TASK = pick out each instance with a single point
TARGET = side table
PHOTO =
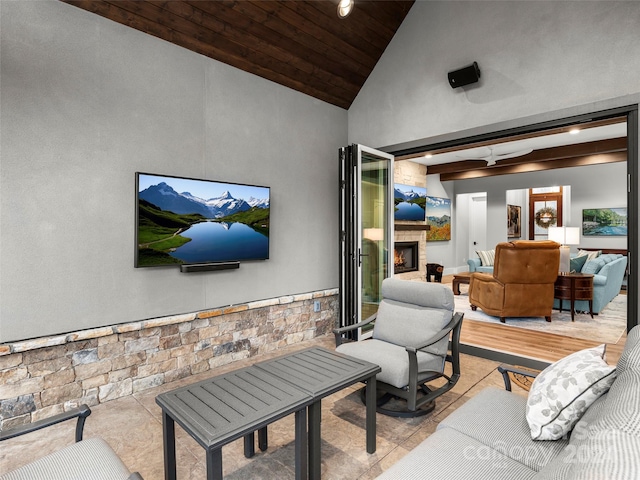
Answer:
(458, 278)
(572, 287)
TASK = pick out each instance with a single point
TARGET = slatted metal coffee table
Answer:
(321, 372)
(222, 409)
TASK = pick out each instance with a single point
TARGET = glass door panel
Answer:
(374, 231)
(366, 230)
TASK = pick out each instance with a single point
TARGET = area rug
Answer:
(606, 327)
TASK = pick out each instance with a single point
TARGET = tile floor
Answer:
(133, 427)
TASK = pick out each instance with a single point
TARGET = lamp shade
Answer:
(571, 235)
(375, 234)
(565, 235)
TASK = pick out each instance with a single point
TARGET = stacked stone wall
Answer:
(45, 376)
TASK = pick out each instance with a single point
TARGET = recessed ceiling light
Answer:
(428, 155)
(574, 131)
(345, 7)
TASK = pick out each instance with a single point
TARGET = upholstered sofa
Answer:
(489, 437)
(608, 270)
(475, 265)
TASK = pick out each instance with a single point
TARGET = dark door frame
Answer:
(545, 122)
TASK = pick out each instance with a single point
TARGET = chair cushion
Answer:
(86, 460)
(424, 294)
(393, 360)
(563, 391)
(507, 431)
(451, 455)
(410, 325)
(630, 357)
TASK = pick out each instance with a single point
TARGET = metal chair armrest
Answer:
(339, 332)
(446, 330)
(82, 412)
(505, 369)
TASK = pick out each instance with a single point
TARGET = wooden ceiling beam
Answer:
(581, 150)
(582, 161)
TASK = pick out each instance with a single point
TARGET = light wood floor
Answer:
(547, 347)
(542, 346)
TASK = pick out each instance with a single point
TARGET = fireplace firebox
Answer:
(405, 257)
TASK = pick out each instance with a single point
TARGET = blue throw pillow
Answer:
(576, 263)
(593, 266)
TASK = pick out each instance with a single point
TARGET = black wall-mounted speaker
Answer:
(208, 267)
(464, 76)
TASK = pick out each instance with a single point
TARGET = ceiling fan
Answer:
(494, 153)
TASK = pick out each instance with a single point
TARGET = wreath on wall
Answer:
(546, 217)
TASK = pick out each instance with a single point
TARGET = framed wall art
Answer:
(604, 222)
(513, 221)
(438, 219)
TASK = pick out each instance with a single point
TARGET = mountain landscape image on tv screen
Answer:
(186, 221)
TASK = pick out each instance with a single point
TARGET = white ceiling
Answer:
(516, 148)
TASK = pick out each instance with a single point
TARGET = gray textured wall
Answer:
(535, 57)
(85, 104)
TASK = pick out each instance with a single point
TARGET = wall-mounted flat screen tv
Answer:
(190, 221)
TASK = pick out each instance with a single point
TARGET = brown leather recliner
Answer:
(524, 273)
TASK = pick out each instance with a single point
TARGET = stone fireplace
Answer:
(405, 257)
(413, 233)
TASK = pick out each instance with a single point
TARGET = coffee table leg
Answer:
(315, 440)
(249, 445)
(169, 442)
(456, 287)
(214, 464)
(263, 442)
(301, 444)
(371, 414)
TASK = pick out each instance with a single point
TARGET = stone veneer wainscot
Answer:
(45, 376)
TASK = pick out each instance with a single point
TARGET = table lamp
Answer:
(565, 236)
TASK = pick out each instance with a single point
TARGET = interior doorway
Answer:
(477, 223)
(545, 210)
(511, 166)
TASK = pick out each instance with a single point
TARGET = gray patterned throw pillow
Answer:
(563, 391)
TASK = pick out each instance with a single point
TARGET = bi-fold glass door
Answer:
(366, 230)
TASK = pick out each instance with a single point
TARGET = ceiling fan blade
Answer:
(518, 153)
(480, 153)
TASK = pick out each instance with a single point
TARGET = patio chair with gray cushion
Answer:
(91, 459)
(410, 339)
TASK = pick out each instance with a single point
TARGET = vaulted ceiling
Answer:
(305, 46)
(302, 45)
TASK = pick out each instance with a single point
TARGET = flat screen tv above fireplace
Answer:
(189, 221)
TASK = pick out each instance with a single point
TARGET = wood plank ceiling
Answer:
(302, 45)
